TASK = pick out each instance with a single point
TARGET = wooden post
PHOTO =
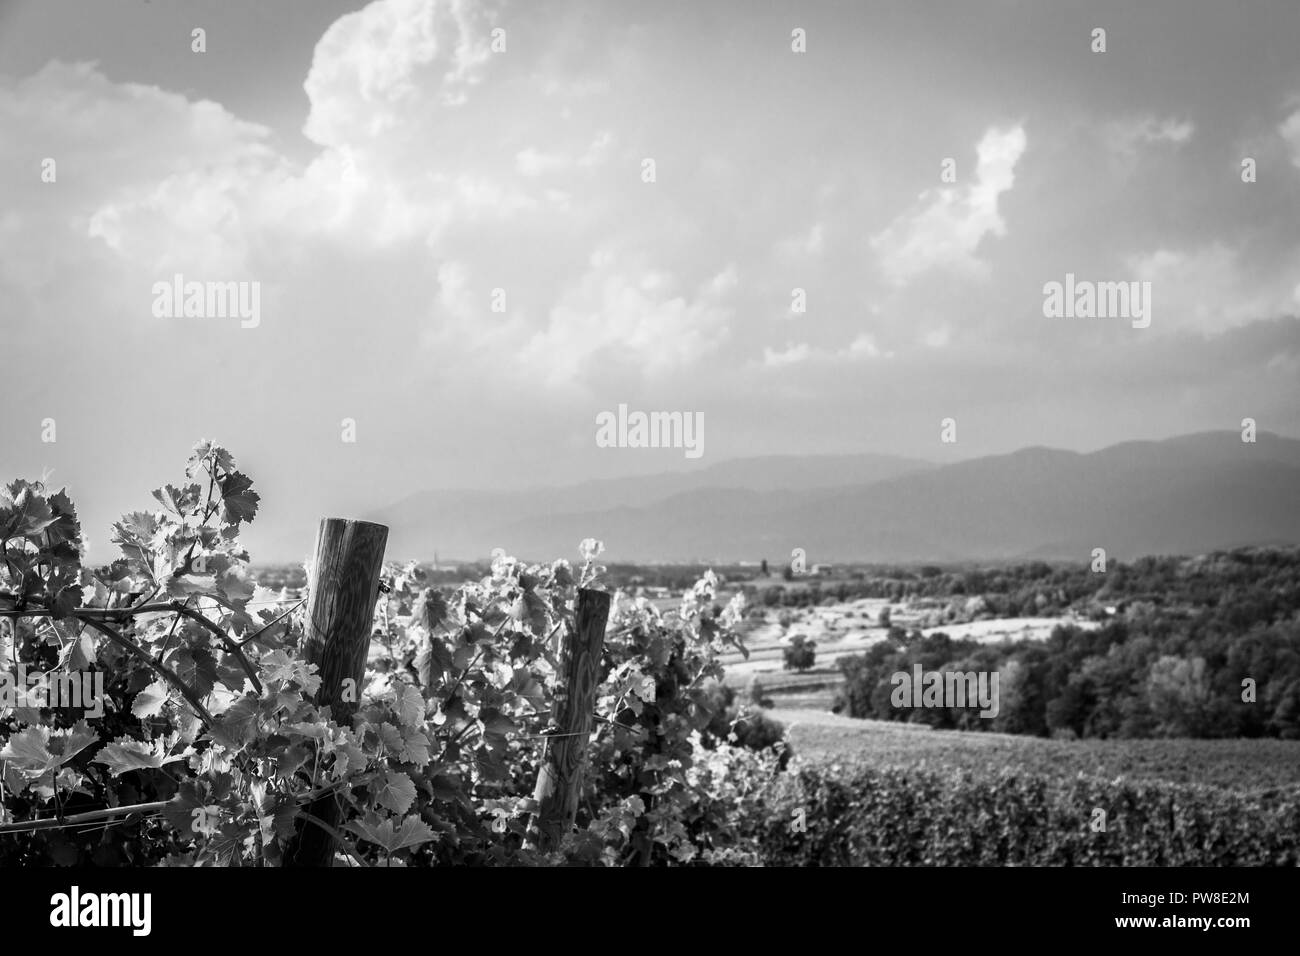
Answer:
(341, 597)
(559, 782)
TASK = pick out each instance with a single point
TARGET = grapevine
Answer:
(210, 748)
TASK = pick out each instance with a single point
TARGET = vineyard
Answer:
(527, 718)
(866, 814)
(217, 746)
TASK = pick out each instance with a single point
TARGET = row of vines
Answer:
(210, 751)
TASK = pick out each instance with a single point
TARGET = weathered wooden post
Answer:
(341, 595)
(559, 782)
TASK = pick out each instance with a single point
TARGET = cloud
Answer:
(598, 151)
(1126, 136)
(388, 61)
(624, 316)
(454, 297)
(441, 170)
(808, 245)
(144, 175)
(400, 178)
(1290, 132)
(862, 348)
(532, 162)
(937, 338)
(791, 355)
(1211, 289)
(946, 225)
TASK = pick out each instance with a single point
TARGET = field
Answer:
(1239, 765)
(849, 628)
(438, 762)
(802, 703)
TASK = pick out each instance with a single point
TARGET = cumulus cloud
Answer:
(404, 173)
(423, 194)
(146, 176)
(944, 228)
(388, 61)
(1210, 289)
(621, 314)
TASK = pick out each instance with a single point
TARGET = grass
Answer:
(1239, 765)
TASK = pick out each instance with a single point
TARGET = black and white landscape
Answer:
(694, 433)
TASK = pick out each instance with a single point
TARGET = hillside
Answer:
(823, 737)
(1183, 495)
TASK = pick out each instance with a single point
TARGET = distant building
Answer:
(821, 569)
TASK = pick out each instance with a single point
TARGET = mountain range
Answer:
(1182, 495)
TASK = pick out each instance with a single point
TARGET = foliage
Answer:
(869, 815)
(1184, 670)
(210, 706)
(800, 654)
(1238, 765)
(757, 693)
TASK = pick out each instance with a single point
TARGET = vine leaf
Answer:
(238, 500)
(79, 653)
(237, 726)
(409, 706)
(412, 832)
(24, 511)
(36, 751)
(395, 791)
(180, 501)
(433, 661)
(149, 702)
(125, 754)
(179, 809)
(430, 609)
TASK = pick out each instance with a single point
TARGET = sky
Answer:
(388, 172)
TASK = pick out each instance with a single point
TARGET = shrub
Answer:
(757, 731)
(893, 816)
(800, 653)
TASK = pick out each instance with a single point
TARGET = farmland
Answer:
(844, 629)
(706, 747)
(803, 700)
(1240, 765)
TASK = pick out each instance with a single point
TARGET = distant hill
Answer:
(1182, 495)
(468, 524)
